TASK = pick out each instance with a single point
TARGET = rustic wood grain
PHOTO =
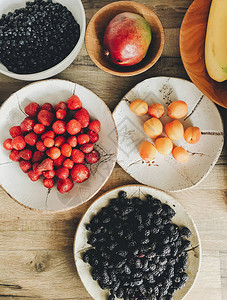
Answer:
(36, 258)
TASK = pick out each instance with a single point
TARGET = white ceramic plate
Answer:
(164, 172)
(181, 218)
(34, 194)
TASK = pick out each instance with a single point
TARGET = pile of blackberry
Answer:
(37, 37)
(137, 252)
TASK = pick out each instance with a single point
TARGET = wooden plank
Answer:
(223, 263)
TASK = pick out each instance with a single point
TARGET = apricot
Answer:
(192, 135)
(180, 154)
(164, 145)
(177, 110)
(147, 151)
(153, 127)
(174, 130)
(139, 107)
(156, 110)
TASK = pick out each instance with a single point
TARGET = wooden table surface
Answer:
(36, 249)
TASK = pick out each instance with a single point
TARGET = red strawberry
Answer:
(15, 131)
(18, 143)
(74, 103)
(95, 126)
(45, 117)
(87, 148)
(92, 157)
(34, 168)
(59, 127)
(47, 106)
(40, 146)
(62, 173)
(77, 156)
(26, 154)
(27, 125)
(80, 173)
(73, 127)
(48, 182)
(83, 139)
(39, 128)
(65, 185)
(14, 155)
(37, 156)
(46, 165)
(48, 134)
(61, 114)
(25, 166)
(33, 176)
(68, 163)
(8, 144)
(31, 138)
(32, 109)
(94, 137)
(61, 105)
(72, 141)
(82, 116)
(49, 174)
(58, 162)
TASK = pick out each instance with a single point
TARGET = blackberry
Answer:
(185, 232)
(122, 194)
(111, 297)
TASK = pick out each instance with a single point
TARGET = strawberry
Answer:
(33, 176)
(59, 141)
(61, 114)
(80, 173)
(59, 127)
(37, 156)
(48, 134)
(87, 148)
(39, 128)
(48, 182)
(34, 168)
(72, 141)
(73, 127)
(68, 163)
(40, 146)
(49, 174)
(77, 156)
(31, 138)
(45, 117)
(65, 185)
(62, 173)
(82, 116)
(83, 139)
(94, 137)
(66, 150)
(26, 154)
(32, 109)
(61, 105)
(25, 166)
(58, 162)
(95, 126)
(74, 103)
(46, 165)
(27, 125)
(47, 106)
(14, 155)
(18, 143)
(8, 144)
(54, 152)
(15, 131)
(92, 157)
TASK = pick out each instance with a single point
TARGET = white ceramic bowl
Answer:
(77, 9)
(182, 218)
(34, 194)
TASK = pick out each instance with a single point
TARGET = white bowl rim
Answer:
(60, 66)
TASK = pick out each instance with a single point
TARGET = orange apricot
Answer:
(164, 145)
(174, 130)
(156, 110)
(139, 107)
(180, 154)
(153, 127)
(177, 109)
(192, 135)
(147, 151)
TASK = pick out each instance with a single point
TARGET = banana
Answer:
(216, 41)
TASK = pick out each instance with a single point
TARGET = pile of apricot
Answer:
(174, 130)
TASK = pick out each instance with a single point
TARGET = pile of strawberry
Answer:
(56, 143)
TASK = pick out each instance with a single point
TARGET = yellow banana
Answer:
(216, 41)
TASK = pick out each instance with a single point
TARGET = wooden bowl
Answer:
(95, 32)
(192, 46)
